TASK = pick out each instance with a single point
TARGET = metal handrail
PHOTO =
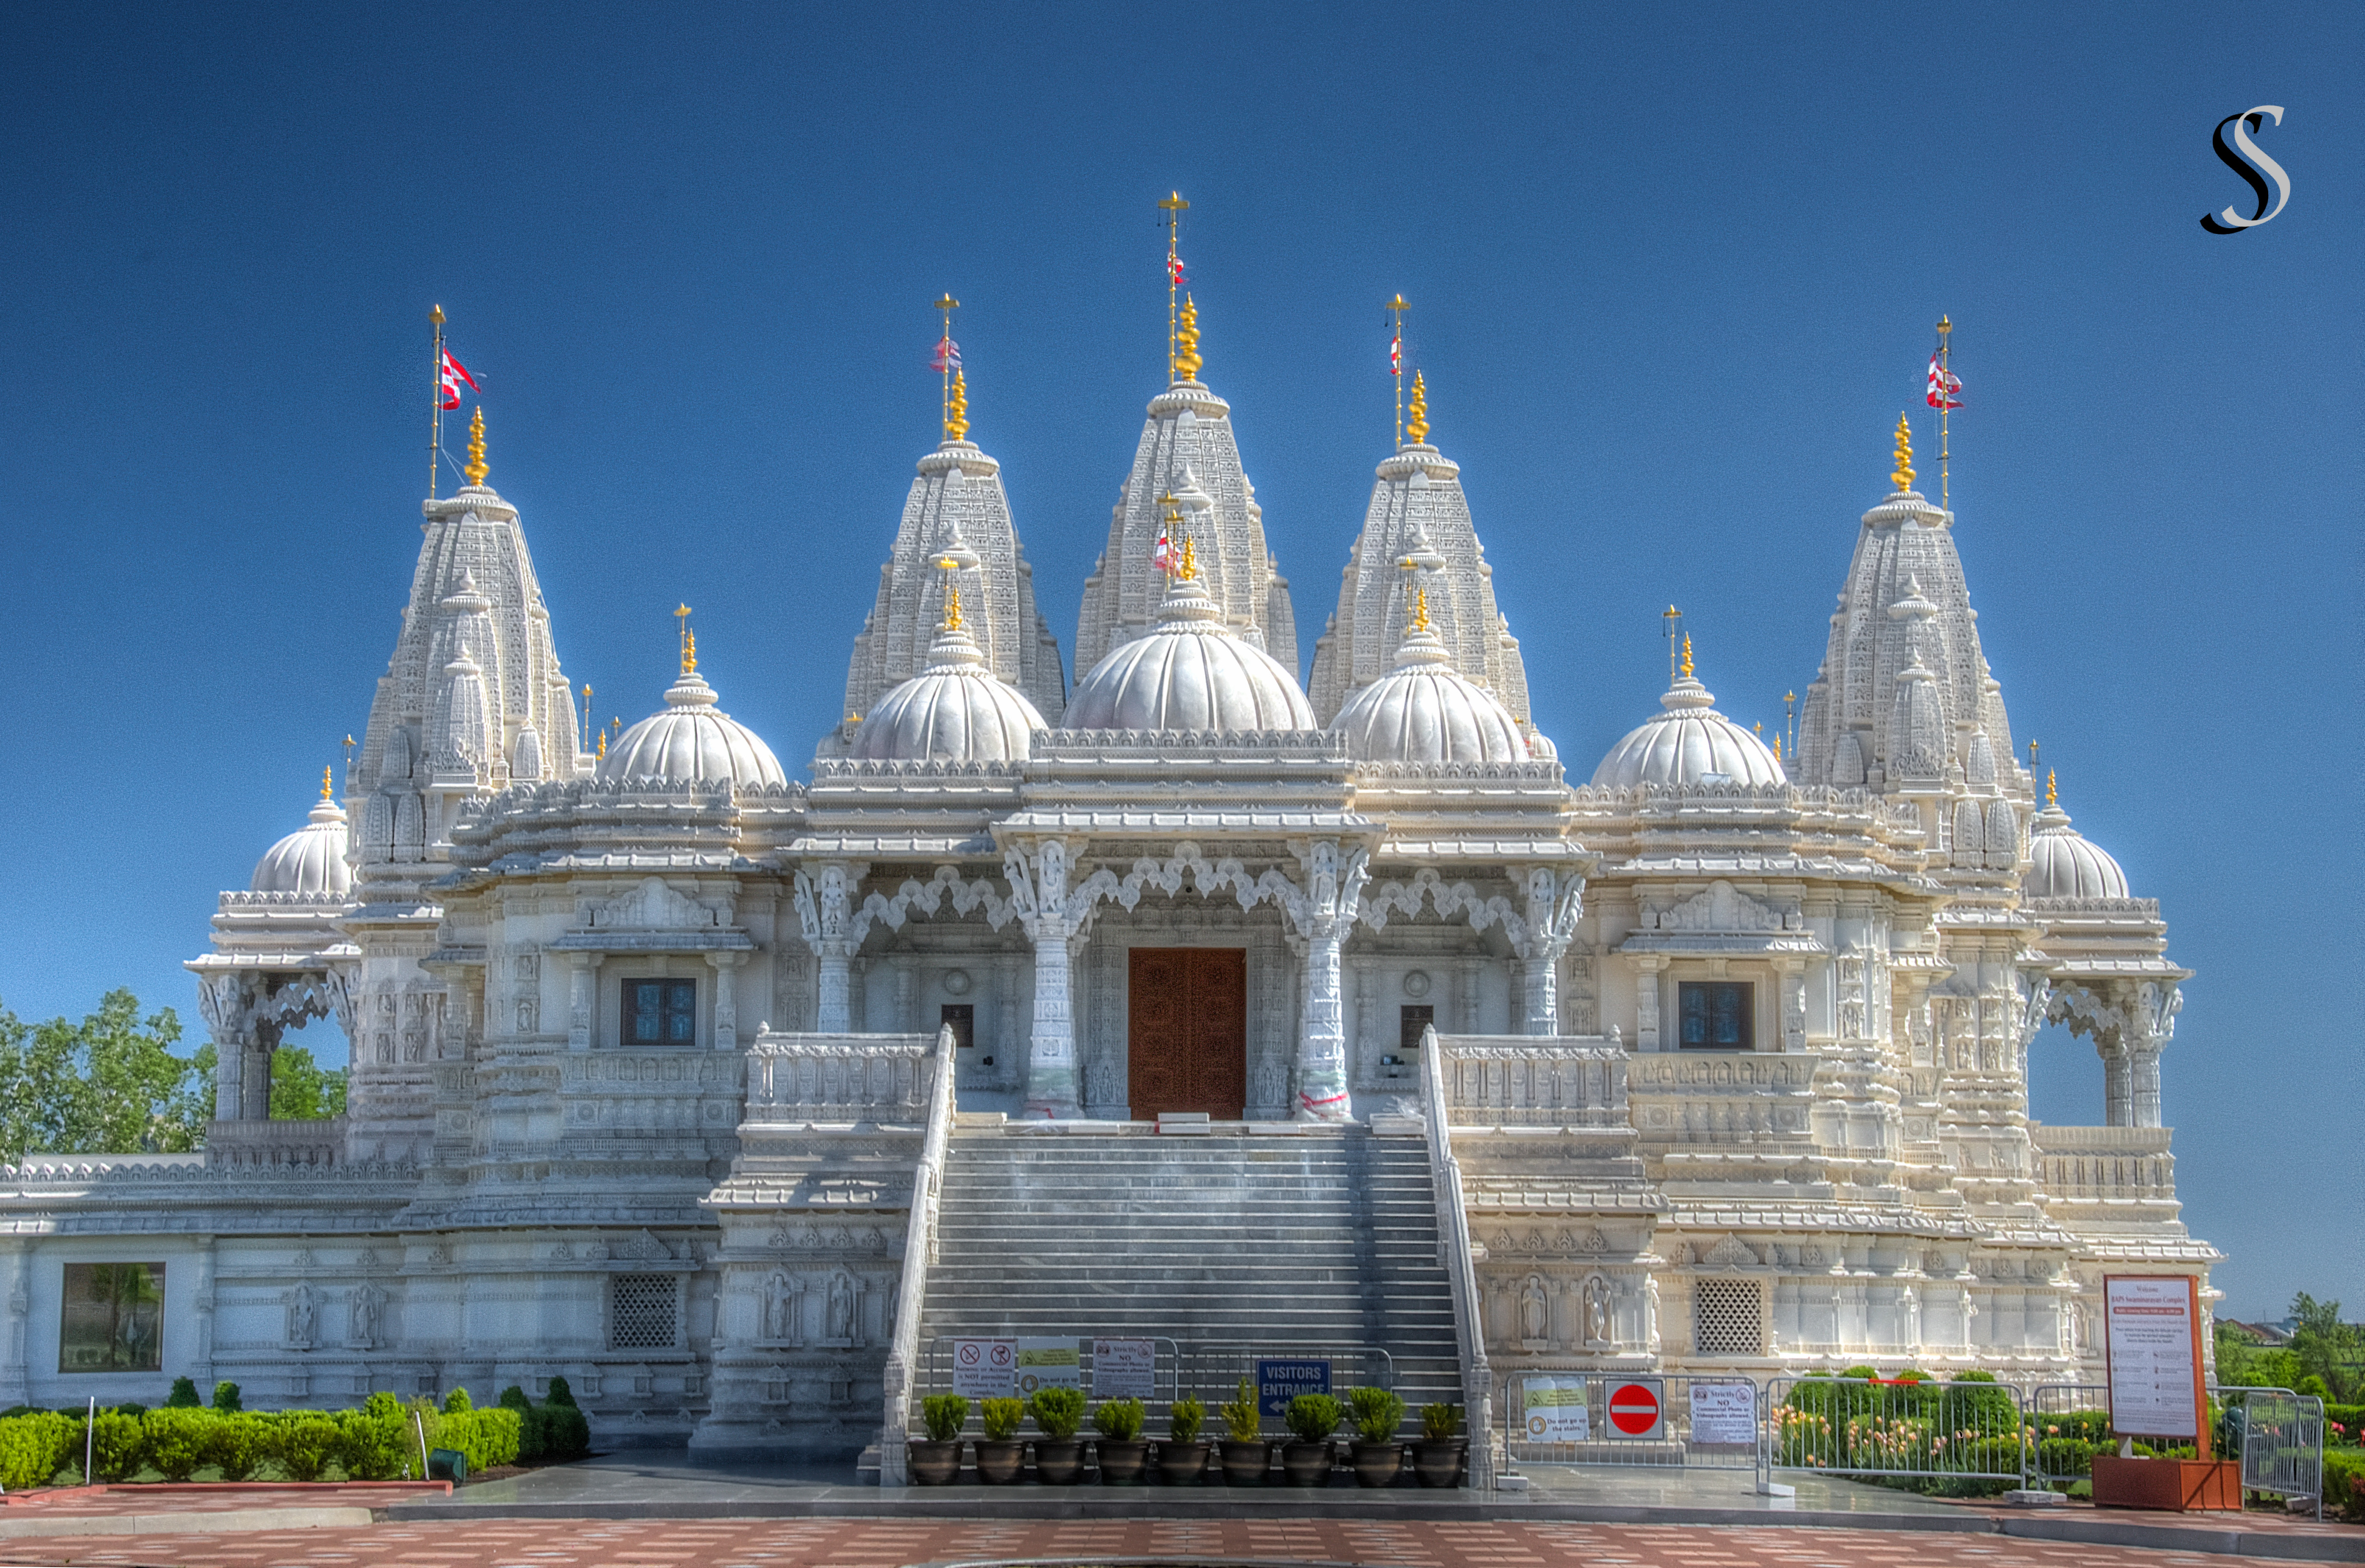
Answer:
(1460, 1272)
(919, 1251)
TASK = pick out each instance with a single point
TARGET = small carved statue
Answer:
(300, 1315)
(841, 1307)
(1535, 1311)
(1597, 1330)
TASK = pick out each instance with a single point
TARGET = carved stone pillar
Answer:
(1646, 1001)
(1334, 885)
(15, 1374)
(904, 993)
(833, 1010)
(726, 999)
(824, 900)
(2143, 1086)
(2118, 1084)
(1556, 903)
(582, 972)
(1793, 986)
(1038, 890)
(254, 1088)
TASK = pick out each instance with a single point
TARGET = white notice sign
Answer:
(1125, 1369)
(2154, 1346)
(1049, 1364)
(1724, 1413)
(1555, 1410)
(984, 1369)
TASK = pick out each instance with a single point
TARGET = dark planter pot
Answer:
(1182, 1464)
(1436, 1462)
(934, 1463)
(1000, 1464)
(1376, 1464)
(1123, 1462)
(1307, 1465)
(1245, 1463)
(1058, 1462)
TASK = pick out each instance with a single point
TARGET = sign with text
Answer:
(1125, 1369)
(984, 1369)
(2152, 1340)
(1635, 1410)
(1278, 1382)
(1049, 1364)
(1555, 1410)
(1724, 1413)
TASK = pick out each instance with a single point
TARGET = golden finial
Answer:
(1189, 571)
(2052, 789)
(952, 609)
(1416, 427)
(957, 410)
(1905, 475)
(1777, 746)
(1187, 343)
(1687, 656)
(476, 470)
(1421, 610)
(689, 641)
(325, 789)
(602, 749)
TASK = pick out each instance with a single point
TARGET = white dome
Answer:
(1189, 674)
(692, 740)
(2062, 864)
(311, 860)
(954, 710)
(1424, 710)
(1690, 743)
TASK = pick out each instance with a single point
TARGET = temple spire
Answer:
(476, 468)
(689, 641)
(1904, 474)
(1417, 426)
(957, 410)
(1187, 343)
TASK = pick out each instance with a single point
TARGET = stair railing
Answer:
(919, 1251)
(1460, 1272)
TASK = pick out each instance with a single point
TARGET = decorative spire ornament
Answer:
(1421, 610)
(1904, 474)
(477, 470)
(952, 609)
(689, 641)
(1187, 343)
(1417, 426)
(325, 789)
(1687, 656)
(1189, 570)
(2052, 788)
(957, 410)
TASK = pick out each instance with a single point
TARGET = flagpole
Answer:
(435, 403)
(1396, 308)
(1945, 402)
(1173, 205)
(946, 303)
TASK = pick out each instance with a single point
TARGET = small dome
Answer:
(1690, 743)
(309, 862)
(954, 710)
(1188, 673)
(2062, 864)
(1424, 710)
(692, 740)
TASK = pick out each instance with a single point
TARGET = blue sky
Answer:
(1673, 273)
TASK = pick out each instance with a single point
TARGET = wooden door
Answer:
(1187, 1035)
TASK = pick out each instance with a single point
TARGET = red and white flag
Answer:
(1164, 557)
(1944, 385)
(455, 373)
(1395, 354)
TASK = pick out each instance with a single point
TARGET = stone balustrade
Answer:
(275, 1145)
(839, 1078)
(2103, 1165)
(1533, 1079)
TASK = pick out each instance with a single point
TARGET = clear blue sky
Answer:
(1674, 273)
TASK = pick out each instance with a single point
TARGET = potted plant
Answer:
(1375, 1413)
(1437, 1458)
(1059, 1457)
(936, 1460)
(1000, 1453)
(1123, 1454)
(1311, 1417)
(1246, 1454)
(1182, 1458)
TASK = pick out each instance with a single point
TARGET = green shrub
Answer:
(119, 1447)
(2344, 1482)
(1184, 1418)
(307, 1442)
(35, 1447)
(560, 1392)
(457, 1401)
(1119, 1420)
(378, 1442)
(567, 1432)
(226, 1395)
(1057, 1412)
(1243, 1421)
(1002, 1417)
(234, 1440)
(488, 1437)
(1313, 1417)
(1376, 1414)
(946, 1414)
(513, 1398)
(183, 1395)
(177, 1438)
(1438, 1422)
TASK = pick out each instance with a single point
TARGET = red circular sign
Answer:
(1633, 1408)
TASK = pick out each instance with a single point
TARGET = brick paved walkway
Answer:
(867, 1544)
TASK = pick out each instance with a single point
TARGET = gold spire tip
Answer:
(2052, 788)
(1189, 570)
(689, 640)
(1416, 427)
(1421, 610)
(602, 750)
(1173, 202)
(952, 609)
(1187, 343)
(325, 790)
(957, 410)
(435, 314)
(1687, 656)
(476, 470)
(1904, 474)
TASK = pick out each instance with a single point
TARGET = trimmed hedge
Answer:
(2344, 1482)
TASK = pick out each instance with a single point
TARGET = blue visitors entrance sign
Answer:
(1278, 1382)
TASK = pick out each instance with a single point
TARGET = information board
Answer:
(1555, 1410)
(1278, 1382)
(1125, 1369)
(1049, 1364)
(984, 1369)
(1724, 1413)
(2153, 1341)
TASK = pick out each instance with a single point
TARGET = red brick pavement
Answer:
(872, 1543)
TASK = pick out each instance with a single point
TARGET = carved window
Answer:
(962, 1017)
(660, 1011)
(1725, 1318)
(642, 1312)
(1715, 1015)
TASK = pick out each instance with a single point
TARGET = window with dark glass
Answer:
(660, 1011)
(962, 1017)
(1411, 1019)
(1715, 1014)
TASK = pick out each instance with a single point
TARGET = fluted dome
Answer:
(2063, 864)
(692, 740)
(1690, 743)
(1188, 673)
(309, 862)
(1424, 710)
(954, 710)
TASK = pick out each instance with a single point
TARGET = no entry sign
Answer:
(1635, 1410)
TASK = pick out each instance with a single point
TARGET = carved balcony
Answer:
(275, 1145)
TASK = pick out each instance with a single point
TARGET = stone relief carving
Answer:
(653, 905)
(363, 1308)
(302, 1305)
(1720, 907)
(1598, 1327)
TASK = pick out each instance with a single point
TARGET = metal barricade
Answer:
(933, 1369)
(2280, 1437)
(2069, 1424)
(1885, 1429)
(1664, 1420)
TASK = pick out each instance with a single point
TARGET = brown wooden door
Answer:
(1187, 1046)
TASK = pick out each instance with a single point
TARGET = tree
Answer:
(2326, 1348)
(303, 1091)
(109, 1084)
